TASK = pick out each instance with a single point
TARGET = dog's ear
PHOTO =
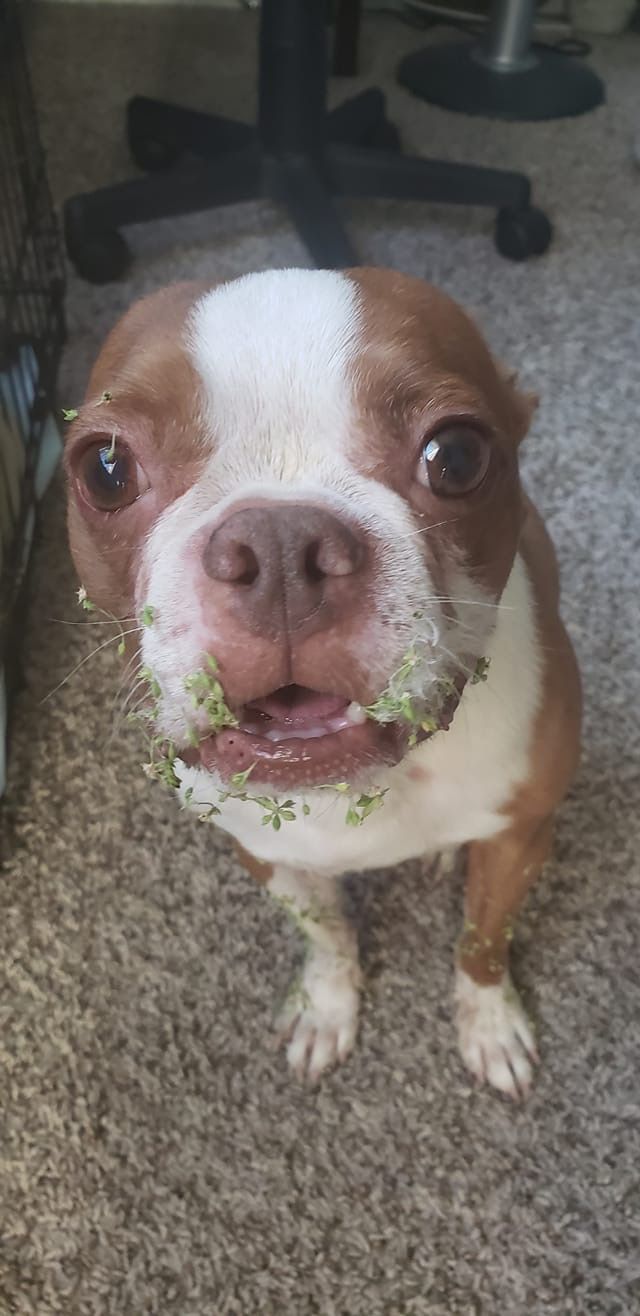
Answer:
(522, 402)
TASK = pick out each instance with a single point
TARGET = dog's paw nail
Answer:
(494, 1035)
(284, 1028)
(323, 1030)
(530, 1048)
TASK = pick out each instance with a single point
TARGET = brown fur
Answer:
(154, 401)
(426, 362)
(501, 870)
(255, 867)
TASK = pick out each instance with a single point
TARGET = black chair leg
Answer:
(410, 178)
(357, 120)
(299, 186)
(521, 229)
(92, 220)
(159, 134)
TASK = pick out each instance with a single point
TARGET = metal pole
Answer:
(507, 45)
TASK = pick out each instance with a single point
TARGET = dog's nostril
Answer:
(233, 563)
(337, 554)
(312, 568)
(248, 566)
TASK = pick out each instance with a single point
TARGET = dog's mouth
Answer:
(295, 712)
(298, 737)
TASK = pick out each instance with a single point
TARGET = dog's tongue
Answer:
(294, 706)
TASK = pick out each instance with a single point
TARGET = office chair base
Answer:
(456, 76)
(361, 159)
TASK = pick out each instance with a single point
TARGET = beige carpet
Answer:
(155, 1157)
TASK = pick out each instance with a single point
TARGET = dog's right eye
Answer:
(109, 476)
(455, 460)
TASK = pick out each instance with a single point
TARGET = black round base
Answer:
(452, 76)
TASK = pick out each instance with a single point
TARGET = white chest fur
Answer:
(446, 792)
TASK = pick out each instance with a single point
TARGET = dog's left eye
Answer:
(109, 476)
(455, 460)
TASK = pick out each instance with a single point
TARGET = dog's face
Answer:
(309, 481)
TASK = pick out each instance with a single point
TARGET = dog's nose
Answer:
(291, 565)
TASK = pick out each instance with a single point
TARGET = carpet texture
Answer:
(155, 1156)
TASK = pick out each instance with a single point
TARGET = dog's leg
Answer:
(494, 1035)
(319, 1018)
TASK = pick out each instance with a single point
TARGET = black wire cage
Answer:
(31, 336)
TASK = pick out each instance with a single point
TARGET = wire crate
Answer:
(31, 336)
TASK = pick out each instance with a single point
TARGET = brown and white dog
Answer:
(308, 482)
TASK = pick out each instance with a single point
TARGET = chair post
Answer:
(293, 76)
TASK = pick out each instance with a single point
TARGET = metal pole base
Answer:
(456, 76)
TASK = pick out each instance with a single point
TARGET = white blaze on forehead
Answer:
(275, 353)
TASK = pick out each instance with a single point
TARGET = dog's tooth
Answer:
(307, 733)
(313, 732)
(356, 714)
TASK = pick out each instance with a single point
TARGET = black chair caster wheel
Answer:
(522, 233)
(100, 255)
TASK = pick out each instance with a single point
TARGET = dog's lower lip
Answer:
(298, 737)
(302, 760)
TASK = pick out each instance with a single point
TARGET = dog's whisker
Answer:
(123, 694)
(140, 687)
(116, 727)
(113, 639)
(456, 660)
(107, 621)
(130, 704)
(131, 669)
(138, 683)
(127, 679)
(477, 603)
(469, 603)
(424, 530)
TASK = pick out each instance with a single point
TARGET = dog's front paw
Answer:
(494, 1035)
(319, 1019)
